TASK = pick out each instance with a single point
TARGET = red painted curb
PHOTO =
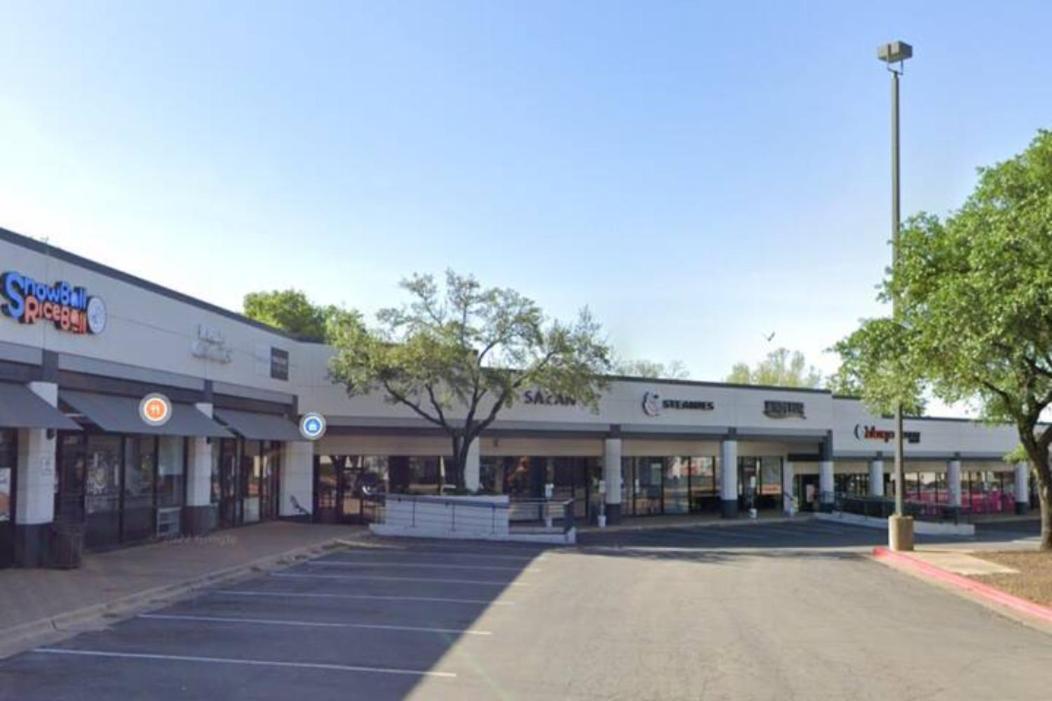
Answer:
(984, 591)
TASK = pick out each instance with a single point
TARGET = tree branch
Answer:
(398, 396)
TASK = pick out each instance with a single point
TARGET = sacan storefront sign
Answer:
(653, 404)
(872, 433)
(536, 396)
(777, 409)
(68, 307)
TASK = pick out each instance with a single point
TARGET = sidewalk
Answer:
(708, 520)
(34, 602)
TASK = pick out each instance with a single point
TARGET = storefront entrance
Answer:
(249, 474)
(346, 487)
(8, 463)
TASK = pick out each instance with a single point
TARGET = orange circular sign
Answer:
(155, 409)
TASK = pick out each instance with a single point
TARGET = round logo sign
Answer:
(97, 316)
(652, 404)
(312, 426)
(155, 409)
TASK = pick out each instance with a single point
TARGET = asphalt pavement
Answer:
(756, 611)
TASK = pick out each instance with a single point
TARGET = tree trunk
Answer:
(459, 460)
(1044, 492)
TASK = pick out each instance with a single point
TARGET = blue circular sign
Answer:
(312, 426)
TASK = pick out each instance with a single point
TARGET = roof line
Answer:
(62, 254)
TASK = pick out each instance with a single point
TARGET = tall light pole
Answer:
(900, 528)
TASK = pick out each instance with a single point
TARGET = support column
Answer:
(788, 484)
(471, 467)
(729, 479)
(826, 485)
(876, 478)
(1022, 488)
(953, 481)
(199, 514)
(296, 491)
(612, 451)
(35, 497)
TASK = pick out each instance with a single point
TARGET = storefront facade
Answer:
(81, 344)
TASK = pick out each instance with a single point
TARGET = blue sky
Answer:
(698, 174)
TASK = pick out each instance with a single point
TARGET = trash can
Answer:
(67, 545)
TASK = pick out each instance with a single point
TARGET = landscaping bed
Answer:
(1034, 580)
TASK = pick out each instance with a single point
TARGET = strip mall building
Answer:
(81, 344)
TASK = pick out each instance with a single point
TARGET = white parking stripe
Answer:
(501, 568)
(429, 580)
(308, 624)
(254, 663)
(311, 595)
(439, 553)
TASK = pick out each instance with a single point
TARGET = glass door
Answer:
(230, 513)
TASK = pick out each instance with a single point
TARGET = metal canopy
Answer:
(20, 407)
(259, 427)
(121, 415)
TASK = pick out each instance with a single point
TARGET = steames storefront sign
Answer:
(653, 404)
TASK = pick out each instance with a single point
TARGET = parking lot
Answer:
(751, 611)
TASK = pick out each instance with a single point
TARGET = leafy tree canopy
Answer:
(292, 312)
(651, 369)
(781, 368)
(459, 354)
(974, 295)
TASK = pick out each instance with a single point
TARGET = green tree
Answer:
(975, 308)
(459, 356)
(651, 369)
(781, 368)
(292, 312)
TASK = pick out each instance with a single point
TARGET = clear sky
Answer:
(699, 174)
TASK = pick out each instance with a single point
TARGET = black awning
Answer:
(20, 407)
(121, 415)
(261, 427)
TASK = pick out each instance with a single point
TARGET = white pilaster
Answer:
(471, 467)
(826, 485)
(612, 452)
(729, 478)
(35, 500)
(1022, 487)
(199, 466)
(953, 481)
(788, 486)
(297, 478)
(876, 478)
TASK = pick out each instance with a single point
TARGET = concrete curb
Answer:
(51, 629)
(723, 523)
(1027, 610)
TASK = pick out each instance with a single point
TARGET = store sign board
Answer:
(536, 396)
(653, 404)
(69, 308)
(279, 364)
(783, 410)
(210, 344)
(872, 433)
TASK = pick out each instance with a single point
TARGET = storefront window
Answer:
(647, 486)
(138, 520)
(102, 475)
(271, 467)
(8, 461)
(677, 478)
(171, 466)
(251, 469)
(704, 494)
(216, 461)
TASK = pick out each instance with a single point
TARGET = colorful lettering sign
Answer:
(69, 308)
